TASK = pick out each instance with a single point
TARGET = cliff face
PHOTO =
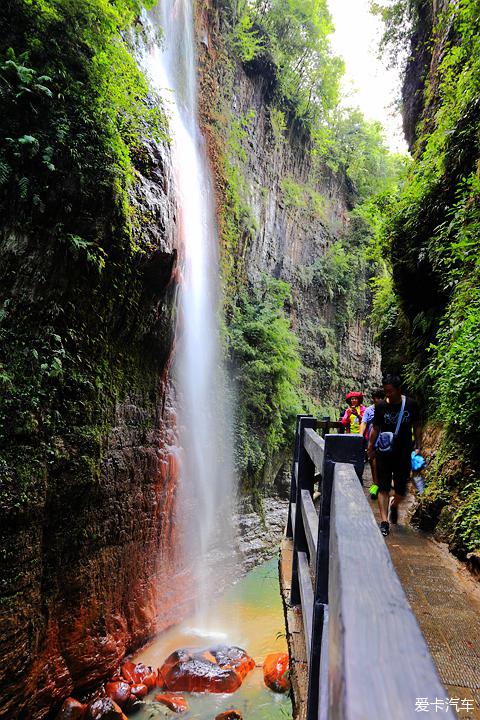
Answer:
(88, 467)
(89, 569)
(293, 221)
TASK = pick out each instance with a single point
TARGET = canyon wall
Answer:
(89, 569)
(287, 237)
(293, 223)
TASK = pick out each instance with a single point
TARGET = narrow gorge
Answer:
(334, 263)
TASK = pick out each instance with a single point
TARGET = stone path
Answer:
(446, 601)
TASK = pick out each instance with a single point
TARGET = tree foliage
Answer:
(292, 35)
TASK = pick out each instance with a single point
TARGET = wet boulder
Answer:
(139, 691)
(217, 670)
(275, 672)
(105, 709)
(139, 674)
(119, 691)
(72, 710)
(173, 701)
(234, 657)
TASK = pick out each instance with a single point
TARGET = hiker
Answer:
(353, 414)
(390, 442)
(365, 430)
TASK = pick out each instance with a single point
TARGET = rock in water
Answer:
(275, 672)
(138, 673)
(229, 715)
(72, 710)
(217, 670)
(105, 709)
(139, 691)
(174, 702)
(234, 657)
(119, 691)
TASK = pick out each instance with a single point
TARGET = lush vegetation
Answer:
(433, 232)
(265, 365)
(292, 35)
(71, 283)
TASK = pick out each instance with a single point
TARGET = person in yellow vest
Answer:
(353, 415)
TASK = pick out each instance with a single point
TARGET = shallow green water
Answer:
(249, 615)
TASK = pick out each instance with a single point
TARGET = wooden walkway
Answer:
(446, 603)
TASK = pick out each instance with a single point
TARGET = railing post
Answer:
(293, 481)
(325, 425)
(306, 478)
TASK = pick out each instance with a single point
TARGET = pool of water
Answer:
(249, 615)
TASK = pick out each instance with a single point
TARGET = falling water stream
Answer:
(205, 494)
(250, 613)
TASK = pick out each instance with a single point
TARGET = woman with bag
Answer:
(365, 430)
(352, 418)
(391, 443)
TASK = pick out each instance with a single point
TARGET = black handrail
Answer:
(366, 655)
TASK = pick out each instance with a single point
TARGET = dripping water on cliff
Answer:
(205, 493)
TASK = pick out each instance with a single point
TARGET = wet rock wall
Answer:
(89, 561)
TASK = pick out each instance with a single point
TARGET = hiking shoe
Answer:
(385, 528)
(393, 514)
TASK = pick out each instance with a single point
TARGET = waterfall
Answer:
(206, 483)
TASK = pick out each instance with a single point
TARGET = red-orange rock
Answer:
(229, 715)
(139, 691)
(275, 672)
(217, 670)
(139, 674)
(105, 709)
(119, 691)
(177, 703)
(234, 657)
(72, 710)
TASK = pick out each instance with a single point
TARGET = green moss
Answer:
(75, 326)
(265, 364)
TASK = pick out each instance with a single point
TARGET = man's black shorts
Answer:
(396, 466)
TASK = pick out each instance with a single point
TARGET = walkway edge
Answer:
(295, 634)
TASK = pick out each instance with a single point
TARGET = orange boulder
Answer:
(275, 672)
(71, 710)
(138, 673)
(174, 702)
(216, 670)
(139, 691)
(234, 657)
(105, 709)
(119, 691)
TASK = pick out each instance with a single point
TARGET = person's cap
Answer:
(354, 394)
